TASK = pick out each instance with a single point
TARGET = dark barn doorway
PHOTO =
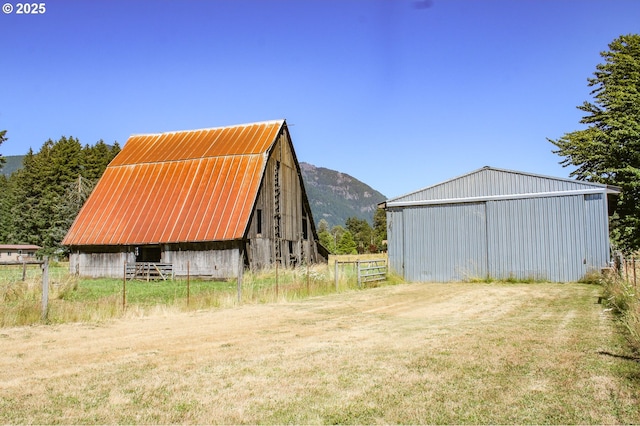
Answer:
(151, 254)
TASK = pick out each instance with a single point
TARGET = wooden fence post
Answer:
(124, 287)
(335, 274)
(626, 270)
(240, 276)
(45, 289)
(188, 283)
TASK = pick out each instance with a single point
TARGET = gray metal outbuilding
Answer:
(500, 224)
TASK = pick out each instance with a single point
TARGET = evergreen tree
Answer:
(3, 138)
(380, 229)
(67, 161)
(6, 201)
(96, 159)
(327, 241)
(362, 234)
(25, 209)
(347, 244)
(608, 150)
(45, 196)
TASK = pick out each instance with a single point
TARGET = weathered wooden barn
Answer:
(211, 200)
(500, 224)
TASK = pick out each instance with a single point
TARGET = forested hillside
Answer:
(336, 196)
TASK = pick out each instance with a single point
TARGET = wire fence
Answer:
(629, 269)
(29, 295)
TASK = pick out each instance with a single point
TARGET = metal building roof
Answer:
(186, 186)
(490, 183)
(5, 247)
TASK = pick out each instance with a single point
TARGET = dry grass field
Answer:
(410, 353)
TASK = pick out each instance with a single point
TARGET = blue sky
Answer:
(400, 94)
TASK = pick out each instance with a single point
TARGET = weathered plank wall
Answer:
(294, 248)
(100, 261)
(206, 263)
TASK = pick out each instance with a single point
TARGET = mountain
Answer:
(336, 196)
(14, 162)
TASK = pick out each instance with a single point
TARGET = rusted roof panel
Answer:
(187, 186)
(174, 146)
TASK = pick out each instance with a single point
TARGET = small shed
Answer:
(205, 202)
(18, 252)
(500, 224)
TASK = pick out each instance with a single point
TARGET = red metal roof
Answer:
(197, 185)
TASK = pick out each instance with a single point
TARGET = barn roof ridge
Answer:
(600, 186)
(564, 179)
(172, 132)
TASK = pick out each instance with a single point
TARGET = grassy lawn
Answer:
(459, 353)
(145, 293)
(77, 299)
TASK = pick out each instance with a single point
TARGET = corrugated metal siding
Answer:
(395, 241)
(177, 187)
(547, 235)
(490, 182)
(538, 238)
(445, 243)
(557, 239)
(597, 232)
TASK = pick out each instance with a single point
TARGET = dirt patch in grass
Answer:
(418, 353)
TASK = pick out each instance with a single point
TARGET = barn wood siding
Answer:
(212, 260)
(219, 260)
(293, 247)
(100, 261)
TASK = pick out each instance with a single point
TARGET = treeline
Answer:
(357, 237)
(39, 202)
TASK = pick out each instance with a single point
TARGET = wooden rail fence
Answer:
(149, 271)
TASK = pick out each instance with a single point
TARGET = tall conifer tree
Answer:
(3, 137)
(608, 149)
